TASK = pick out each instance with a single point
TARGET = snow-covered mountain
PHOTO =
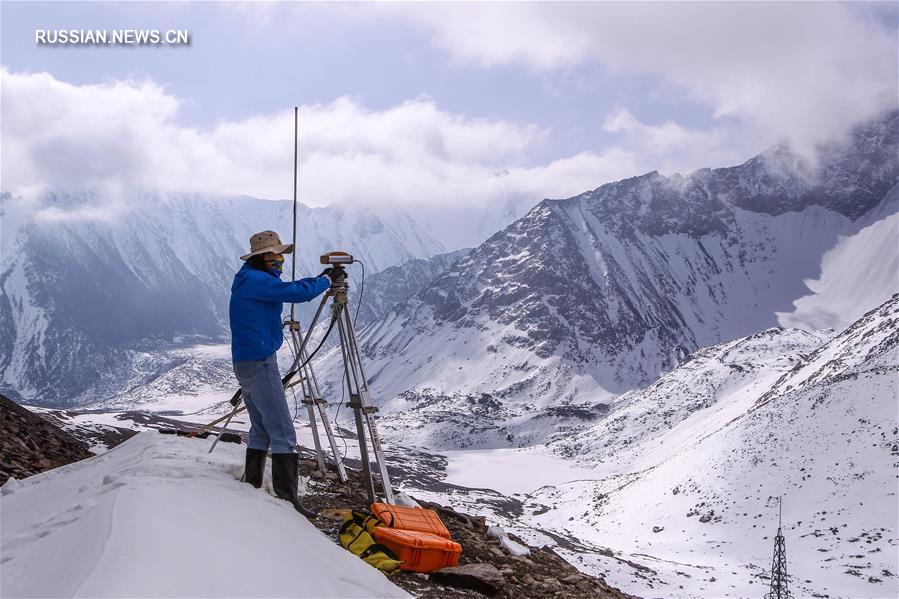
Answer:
(685, 474)
(91, 282)
(585, 298)
(384, 290)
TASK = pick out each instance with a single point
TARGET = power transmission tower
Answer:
(779, 588)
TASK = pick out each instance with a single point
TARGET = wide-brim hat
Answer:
(267, 241)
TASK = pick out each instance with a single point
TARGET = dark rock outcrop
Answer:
(30, 444)
(480, 577)
(386, 289)
(542, 573)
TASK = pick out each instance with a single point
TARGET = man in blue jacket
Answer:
(257, 300)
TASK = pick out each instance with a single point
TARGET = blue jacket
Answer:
(257, 299)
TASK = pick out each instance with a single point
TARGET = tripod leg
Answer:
(379, 458)
(365, 401)
(224, 428)
(338, 462)
(206, 427)
(308, 399)
(354, 403)
(326, 424)
(319, 453)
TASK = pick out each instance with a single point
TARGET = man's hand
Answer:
(328, 272)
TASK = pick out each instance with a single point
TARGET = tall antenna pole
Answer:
(293, 260)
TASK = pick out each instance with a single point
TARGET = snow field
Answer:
(158, 516)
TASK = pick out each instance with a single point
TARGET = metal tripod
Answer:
(354, 375)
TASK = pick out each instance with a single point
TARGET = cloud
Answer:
(56, 214)
(127, 135)
(671, 147)
(804, 71)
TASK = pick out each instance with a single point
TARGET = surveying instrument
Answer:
(353, 373)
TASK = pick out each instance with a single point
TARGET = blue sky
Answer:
(558, 97)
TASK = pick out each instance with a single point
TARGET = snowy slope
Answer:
(711, 388)
(585, 298)
(861, 271)
(696, 496)
(159, 517)
(90, 283)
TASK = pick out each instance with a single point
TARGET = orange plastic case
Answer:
(420, 551)
(410, 518)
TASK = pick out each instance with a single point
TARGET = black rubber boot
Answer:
(285, 480)
(254, 467)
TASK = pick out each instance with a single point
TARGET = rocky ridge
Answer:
(384, 290)
(30, 444)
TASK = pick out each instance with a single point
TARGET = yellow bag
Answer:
(355, 536)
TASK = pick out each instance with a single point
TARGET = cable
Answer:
(296, 409)
(336, 424)
(315, 351)
(361, 291)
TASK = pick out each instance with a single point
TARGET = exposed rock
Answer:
(536, 576)
(480, 577)
(95, 435)
(385, 289)
(30, 444)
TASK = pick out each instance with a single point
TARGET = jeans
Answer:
(263, 393)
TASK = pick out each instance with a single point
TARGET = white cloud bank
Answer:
(804, 71)
(126, 135)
